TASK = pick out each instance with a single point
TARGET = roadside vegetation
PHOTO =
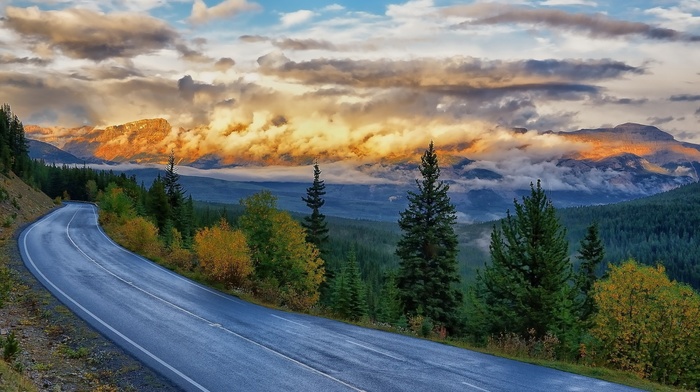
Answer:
(534, 299)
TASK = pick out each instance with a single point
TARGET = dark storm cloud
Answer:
(594, 25)
(684, 97)
(86, 34)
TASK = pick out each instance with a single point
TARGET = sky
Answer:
(355, 79)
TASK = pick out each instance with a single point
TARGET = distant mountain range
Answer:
(607, 165)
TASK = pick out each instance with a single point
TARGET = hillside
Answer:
(661, 228)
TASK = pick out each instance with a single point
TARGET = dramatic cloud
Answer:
(451, 75)
(596, 25)
(86, 34)
(226, 9)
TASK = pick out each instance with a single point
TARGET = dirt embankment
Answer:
(58, 351)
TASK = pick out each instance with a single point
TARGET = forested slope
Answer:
(658, 229)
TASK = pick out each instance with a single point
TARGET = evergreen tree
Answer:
(14, 147)
(157, 205)
(527, 284)
(428, 249)
(591, 255)
(171, 181)
(315, 224)
(176, 199)
(349, 291)
(389, 309)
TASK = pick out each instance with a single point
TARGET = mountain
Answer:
(583, 167)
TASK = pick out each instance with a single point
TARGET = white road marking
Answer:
(475, 387)
(211, 323)
(373, 349)
(99, 320)
(289, 321)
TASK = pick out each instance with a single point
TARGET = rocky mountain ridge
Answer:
(606, 165)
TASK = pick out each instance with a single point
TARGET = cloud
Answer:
(333, 7)
(224, 64)
(300, 44)
(192, 90)
(12, 59)
(226, 9)
(594, 25)
(684, 98)
(107, 72)
(296, 17)
(660, 120)
(87, 34)
(467, 74)
(304, 44)
(586, 3)
(253, 38)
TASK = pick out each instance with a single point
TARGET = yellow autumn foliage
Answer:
(223, 254)
(648, 324)
(140, 236)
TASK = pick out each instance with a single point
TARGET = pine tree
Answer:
(591, 255)
(389, 308)
(171, 181)
(315, 224)
(349, 291)
(527, 284)
(179, 215)
(428, 249)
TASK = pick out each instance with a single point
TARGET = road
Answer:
(207, 341)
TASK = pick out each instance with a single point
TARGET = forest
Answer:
(542, 283)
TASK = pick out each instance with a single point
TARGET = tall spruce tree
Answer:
(428, 275)
(591, 254)
(527, 284)
(315, 224)
(179, 215)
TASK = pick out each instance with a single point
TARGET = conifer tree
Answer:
(171, 181)
(591, 255)
(389, 308)
(527, 284)
(315, 224)
(349, 291)
(428, 249)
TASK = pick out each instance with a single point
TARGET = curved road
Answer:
(206, 341)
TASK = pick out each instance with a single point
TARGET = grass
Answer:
(12, 381)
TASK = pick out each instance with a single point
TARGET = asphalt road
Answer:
(206, 341)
